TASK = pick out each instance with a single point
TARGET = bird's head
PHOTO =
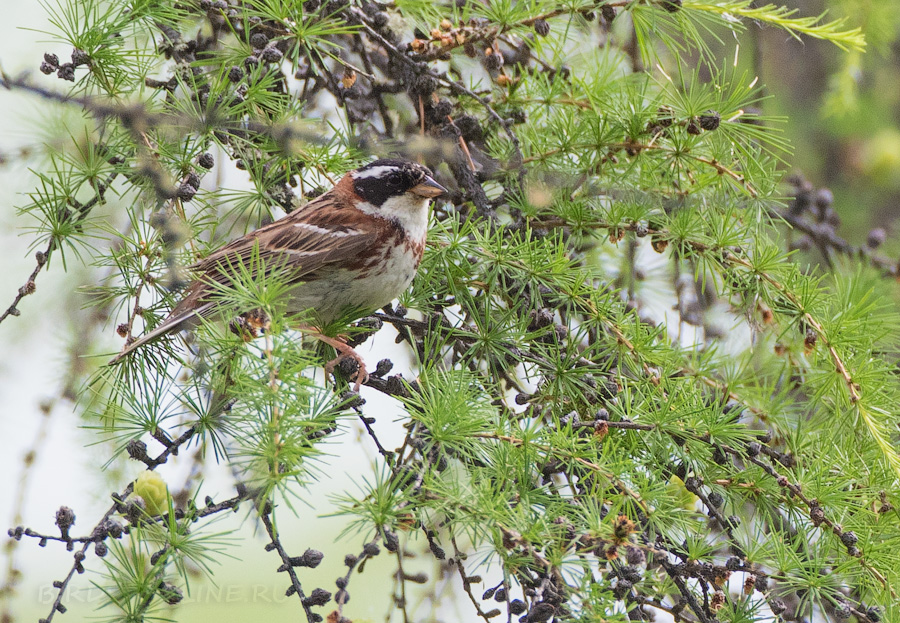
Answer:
(398, 190)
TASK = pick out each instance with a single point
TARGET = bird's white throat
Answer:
(409, 210)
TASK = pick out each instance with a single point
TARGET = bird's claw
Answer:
(359, 376)
(250, 325)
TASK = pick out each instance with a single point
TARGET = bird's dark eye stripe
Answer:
(377, 182)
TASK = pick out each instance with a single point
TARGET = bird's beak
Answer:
(428, 188)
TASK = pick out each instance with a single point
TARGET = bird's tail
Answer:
(174, 322)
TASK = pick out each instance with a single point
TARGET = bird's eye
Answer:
(394, 179)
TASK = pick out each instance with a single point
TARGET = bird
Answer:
(351, 250)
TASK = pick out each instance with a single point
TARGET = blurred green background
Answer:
(843, 108)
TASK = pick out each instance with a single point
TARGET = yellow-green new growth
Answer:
(781, 17)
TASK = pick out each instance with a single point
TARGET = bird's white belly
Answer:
(340, 290)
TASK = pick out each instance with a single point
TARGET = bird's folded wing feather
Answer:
(297, 247)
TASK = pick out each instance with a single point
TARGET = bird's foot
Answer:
(251, 325)
(345, 352)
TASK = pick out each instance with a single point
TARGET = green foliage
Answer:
(627, 388)
(140, 570)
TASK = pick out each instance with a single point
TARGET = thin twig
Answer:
(41, 258)
(287, 564)
(466, 583)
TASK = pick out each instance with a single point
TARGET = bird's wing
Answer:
(298, 246)
(319, 234)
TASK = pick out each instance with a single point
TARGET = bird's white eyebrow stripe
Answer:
(373, 172)
(328, 232)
